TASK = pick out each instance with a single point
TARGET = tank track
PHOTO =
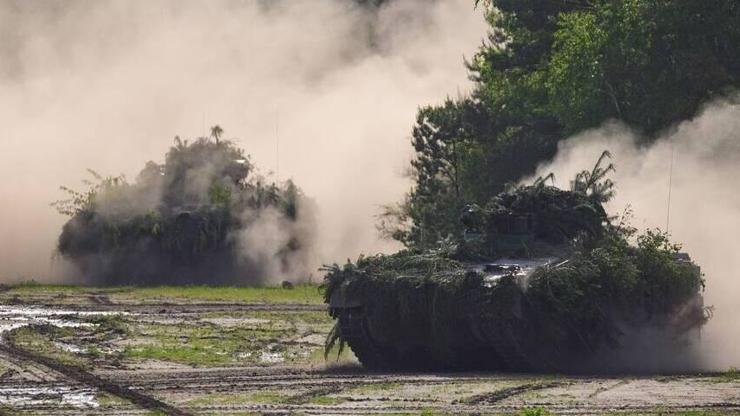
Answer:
(354, 331)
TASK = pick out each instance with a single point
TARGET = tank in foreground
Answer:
(541, 281)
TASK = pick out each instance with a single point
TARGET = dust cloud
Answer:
(321, 91)
(703, 214)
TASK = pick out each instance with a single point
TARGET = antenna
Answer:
(670, 187)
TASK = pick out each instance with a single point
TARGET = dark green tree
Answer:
(551, 68)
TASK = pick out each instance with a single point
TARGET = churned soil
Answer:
(96, 352)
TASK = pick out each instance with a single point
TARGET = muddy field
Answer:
(212, 351)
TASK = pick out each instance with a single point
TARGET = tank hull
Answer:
(490, 325)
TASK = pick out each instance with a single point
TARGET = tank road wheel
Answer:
(354, 330)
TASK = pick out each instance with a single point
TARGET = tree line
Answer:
(547, 70)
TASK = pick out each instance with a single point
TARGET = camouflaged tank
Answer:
(540, 281)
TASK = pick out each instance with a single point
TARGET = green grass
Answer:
(537, 411)
(301, 293)
(729, 376)
(432, 412)
(113, 324)
(208, 344)
(264, 397)
(40, 340)
(304, 293)
(33, 287)
(108, 400)
(249, 338)
(185, 354)
(326, 400)
(201, 345)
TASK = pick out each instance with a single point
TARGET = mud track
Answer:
(190, 308)
(82, 376)
(315, 388)
(505, 393)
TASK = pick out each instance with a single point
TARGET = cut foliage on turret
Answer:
(204, 216)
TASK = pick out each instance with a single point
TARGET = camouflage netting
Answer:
(430, 309)
(197, 218)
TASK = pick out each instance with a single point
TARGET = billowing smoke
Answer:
(204, 216)
(698, 204)
(268, 235)
(322, 91)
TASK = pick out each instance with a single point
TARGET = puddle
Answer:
(13, 317)
(236, 322)
(69, 347)
(63, 396)
(271, 357)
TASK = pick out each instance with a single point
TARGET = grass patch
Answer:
(304, 294)
(40, 339)
(185, 354)
(34, 287)
(536, 411)
(114, 323)
(206, 344)
(730, 376)
(301, 293)
(246, 337)
(235, 399)
(326, 400)
(107, 400)
(196, 345)
(432, 412)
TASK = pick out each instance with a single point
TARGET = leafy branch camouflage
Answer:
(179, 221)
(442, 308)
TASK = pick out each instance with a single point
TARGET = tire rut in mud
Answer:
(85, 377)
(498, 395)
(244, 377)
